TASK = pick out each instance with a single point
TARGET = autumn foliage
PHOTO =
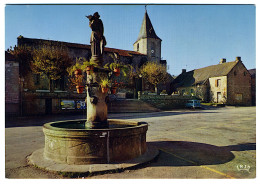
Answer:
(154, 73)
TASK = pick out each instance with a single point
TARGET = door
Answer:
(218, 97)
(48, 106)
(138, 86)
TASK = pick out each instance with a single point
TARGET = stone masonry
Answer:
(12, 89)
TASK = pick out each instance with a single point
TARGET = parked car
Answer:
(193, 104)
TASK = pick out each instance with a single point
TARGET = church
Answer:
(32, 96)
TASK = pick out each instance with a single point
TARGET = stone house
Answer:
(253, 85)
(12, 85)
(32, 90)
(226, 83)
(75, 50)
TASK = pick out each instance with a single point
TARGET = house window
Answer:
(244, 73)
(217, 83)
(239, 97)
(36, 79)
(191, 90)
(137, 47)
(59, 84)
(235, 73)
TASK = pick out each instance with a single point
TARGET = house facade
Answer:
(12, 85)
(225, 83)
(253, 85)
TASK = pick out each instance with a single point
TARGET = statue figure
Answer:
(97, 39)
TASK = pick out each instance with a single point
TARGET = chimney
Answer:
(223, 60)
(238, 58)
(183, 71)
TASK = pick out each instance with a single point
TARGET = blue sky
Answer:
(193, 36)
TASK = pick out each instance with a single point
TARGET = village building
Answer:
(12, 85)
(31, 93)
(225, 83)
(253, 85)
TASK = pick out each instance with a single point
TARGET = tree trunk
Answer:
(50, 85)
(156, 90)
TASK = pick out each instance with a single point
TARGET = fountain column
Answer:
(96, 100)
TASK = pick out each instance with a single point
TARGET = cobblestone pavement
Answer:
(201, 143)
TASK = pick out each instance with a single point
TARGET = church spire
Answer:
(148, 42)
(147, 30)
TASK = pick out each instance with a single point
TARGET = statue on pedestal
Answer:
(97, 39)
(96, 99)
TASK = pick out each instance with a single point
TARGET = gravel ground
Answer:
(201, 143)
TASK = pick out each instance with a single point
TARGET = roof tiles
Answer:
(201, 75)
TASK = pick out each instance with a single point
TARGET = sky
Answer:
(193, 36)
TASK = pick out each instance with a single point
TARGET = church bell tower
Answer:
(148, 42)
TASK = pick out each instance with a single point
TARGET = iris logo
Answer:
(243, 168)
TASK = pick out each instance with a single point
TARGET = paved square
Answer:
(203, 143)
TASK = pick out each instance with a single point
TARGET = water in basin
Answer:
(81, 125)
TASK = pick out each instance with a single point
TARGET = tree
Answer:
(154, 73)
(51, 61)
(23, 55)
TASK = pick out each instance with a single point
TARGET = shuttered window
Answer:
(217, 82)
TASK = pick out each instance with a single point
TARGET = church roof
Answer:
(199, 76)
(32, 41)
(147, 30)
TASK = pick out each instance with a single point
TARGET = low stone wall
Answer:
(35, 103)
(165, 102)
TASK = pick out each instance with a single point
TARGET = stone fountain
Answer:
(95, 143)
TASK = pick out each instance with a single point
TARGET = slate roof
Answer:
(123, 52)
(147, 30)
(199, 76)
(252, 72)
(33, 41)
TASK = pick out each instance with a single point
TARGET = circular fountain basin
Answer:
(69, 142)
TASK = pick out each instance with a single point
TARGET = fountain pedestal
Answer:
(96, 100)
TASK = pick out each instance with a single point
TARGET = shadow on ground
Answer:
(182, 153)
(162, 114)
(40, 120)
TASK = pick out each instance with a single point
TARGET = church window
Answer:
(153, 49)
